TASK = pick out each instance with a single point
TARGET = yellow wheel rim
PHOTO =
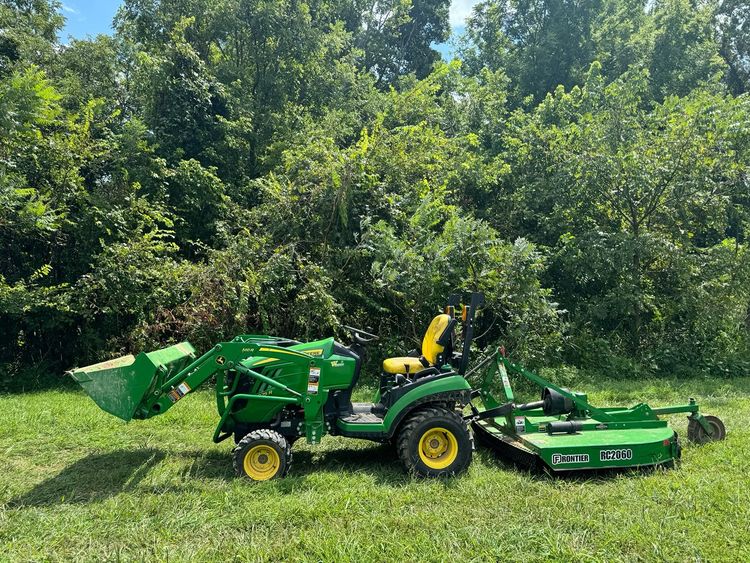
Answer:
(438, 448)
(261, 462)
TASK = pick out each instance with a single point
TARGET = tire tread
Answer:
(410, 425)
(262, 434)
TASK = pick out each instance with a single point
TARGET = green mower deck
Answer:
(564, 432)
(582, 450)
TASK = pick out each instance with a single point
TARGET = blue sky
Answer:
(91, 17)
(88, 17)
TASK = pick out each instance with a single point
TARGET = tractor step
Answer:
(362, 408)
(362, 418)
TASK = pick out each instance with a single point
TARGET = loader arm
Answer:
(217, 361)
(151, 383)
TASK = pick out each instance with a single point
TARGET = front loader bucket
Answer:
(119, 386)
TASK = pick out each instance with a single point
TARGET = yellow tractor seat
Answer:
(431, 349)
(402, 365)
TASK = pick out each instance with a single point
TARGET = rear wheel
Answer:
(433, 442)
(262, 455)
(698, 434)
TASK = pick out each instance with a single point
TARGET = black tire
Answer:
(291, 439)
(434, 442)
(262, 455)
(697, 434)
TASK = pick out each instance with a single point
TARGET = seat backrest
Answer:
(430, 347)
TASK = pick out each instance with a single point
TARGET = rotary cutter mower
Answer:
(271, 391)
(563, 431)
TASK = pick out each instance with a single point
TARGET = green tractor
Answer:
(271, 391)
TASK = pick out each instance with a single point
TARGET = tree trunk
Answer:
(638, 291)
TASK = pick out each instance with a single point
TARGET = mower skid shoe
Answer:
(505, 447)
(119, 386)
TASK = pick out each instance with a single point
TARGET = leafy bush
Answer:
(216, 168)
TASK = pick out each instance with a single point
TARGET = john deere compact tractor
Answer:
(271, 391)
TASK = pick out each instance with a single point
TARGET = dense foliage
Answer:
(226, 166)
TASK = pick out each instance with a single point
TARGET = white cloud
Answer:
(69, 9)
(460, 11)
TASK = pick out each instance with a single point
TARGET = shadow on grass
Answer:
(379, 461)
(204, 464)
(93, 478)
(537, 470)
(100, 476)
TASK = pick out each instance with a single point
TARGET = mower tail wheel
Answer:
(434, 442)
(698, 434)
(262, 455)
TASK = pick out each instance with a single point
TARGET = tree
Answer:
(182, 101)
(637, 198)
(622, 35)
(396, 37)
(283, 166)
(86, 70)
(29, 32)
(685, 53)
(540, 44)
(733, 23)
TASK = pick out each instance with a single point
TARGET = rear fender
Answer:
(448, 389)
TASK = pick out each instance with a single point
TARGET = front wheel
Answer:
(433, 442)
(262, 455)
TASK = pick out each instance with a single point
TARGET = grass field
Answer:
(76, 483)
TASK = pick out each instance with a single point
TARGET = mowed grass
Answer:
(76, 483)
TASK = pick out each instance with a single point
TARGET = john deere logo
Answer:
(220, 360)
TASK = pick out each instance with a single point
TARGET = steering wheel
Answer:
(358, 334)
